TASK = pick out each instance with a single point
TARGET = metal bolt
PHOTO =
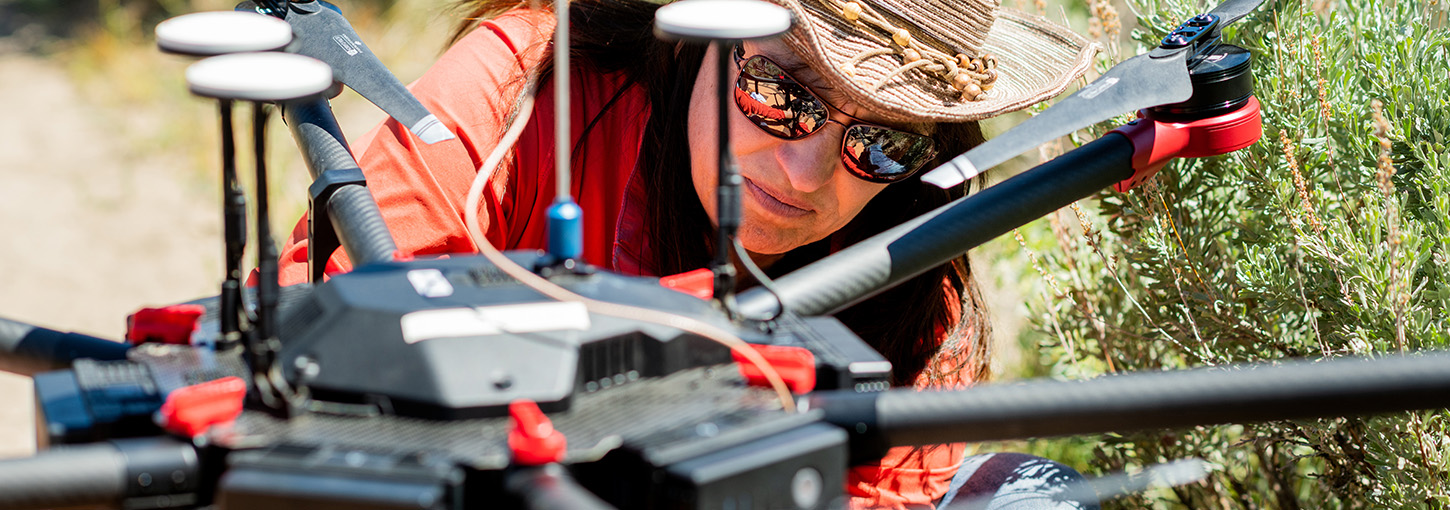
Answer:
(502, 380)
(806, 487)
(355, 458)
(307, 368)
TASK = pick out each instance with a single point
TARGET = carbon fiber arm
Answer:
(350, 209)
(873, 265)
(1235, 394)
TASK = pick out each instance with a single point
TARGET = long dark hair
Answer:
(903, 323)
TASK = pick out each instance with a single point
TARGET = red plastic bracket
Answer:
(1155, 143)
(699, 283)
(796, 365)
(533, 439)
(190, 411)
(168, 324)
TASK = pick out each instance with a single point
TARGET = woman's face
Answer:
(794, 192)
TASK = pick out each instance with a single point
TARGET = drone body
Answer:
(409, 384)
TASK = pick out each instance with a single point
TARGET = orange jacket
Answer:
(420, 190)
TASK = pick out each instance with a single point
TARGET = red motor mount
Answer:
(1156, 142)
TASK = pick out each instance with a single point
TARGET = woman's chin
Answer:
(768, 241)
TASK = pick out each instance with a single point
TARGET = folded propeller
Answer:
(324, 34)
(1160, 77)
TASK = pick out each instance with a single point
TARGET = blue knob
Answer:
(566, 230)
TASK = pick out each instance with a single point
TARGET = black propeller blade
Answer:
(1152, 79)
(324, 34)
(1232, 10)
(1104, 488)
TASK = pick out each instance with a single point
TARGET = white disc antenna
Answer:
(721, 20)
(221, 32)
(267, 76)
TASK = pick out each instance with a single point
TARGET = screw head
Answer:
(307, 367)
(806, 488)
(1175, 40)
(502, 380)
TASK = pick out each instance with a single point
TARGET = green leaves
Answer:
(1290, 248)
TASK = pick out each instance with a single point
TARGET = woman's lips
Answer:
(771, 203)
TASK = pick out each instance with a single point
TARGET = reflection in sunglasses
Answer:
(777, 104)
(876, 162)
(753, 104)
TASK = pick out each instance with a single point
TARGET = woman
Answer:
(836, 120)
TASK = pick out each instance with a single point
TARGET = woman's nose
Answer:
(813, 161)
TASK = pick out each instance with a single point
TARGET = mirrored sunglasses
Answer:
(776, 103)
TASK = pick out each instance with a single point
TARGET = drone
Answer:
(529, 379)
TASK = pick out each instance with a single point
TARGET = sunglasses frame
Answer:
(741, 60)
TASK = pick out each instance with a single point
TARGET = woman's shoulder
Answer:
(473, 86)
(501, 51)
(525, 32)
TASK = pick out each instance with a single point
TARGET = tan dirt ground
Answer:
(109, 204)
(90, 232)
(104, 208)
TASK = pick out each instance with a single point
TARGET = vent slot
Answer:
(613, 362)
(489, 276)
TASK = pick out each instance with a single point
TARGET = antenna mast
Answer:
(566, 226)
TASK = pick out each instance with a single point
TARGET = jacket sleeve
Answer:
(421, 189)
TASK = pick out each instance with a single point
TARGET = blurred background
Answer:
(1327, 238)
(109, 168)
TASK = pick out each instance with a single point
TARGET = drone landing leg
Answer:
(234, 223)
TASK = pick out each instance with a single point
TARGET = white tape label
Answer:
(430, 283)
(494, 320)
(1095, 89)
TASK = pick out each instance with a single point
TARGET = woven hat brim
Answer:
(1037, 59)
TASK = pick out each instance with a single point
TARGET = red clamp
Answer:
(168, 324)
(533, 440)
(407, 256)
(796, 365)
(1155, 143)
(190, 411)
(699, 283)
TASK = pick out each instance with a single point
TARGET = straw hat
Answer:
(936, 60)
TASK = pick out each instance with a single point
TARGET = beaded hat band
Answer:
(936, 60)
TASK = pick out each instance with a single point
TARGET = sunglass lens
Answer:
(775, 102)
(885, 155)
